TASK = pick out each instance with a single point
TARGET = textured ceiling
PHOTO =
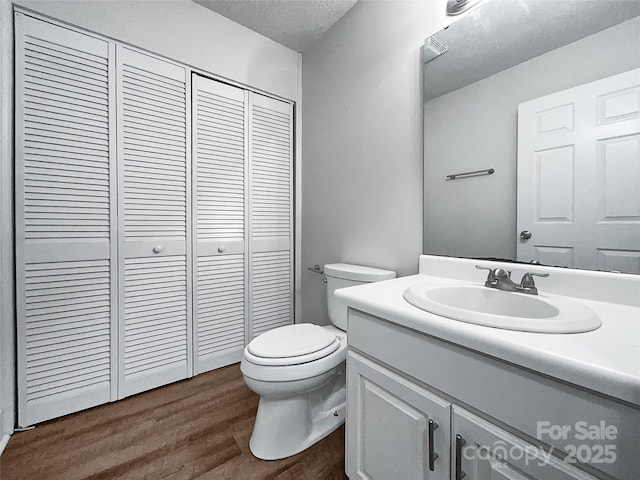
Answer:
(293, 23)
(504, 33)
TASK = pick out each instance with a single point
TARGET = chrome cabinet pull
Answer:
(433, 456)
(460, 443)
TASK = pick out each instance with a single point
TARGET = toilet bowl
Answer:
(299, 372)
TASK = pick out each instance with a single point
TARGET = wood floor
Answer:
(197, 428)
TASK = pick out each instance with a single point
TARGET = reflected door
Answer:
(579, 176)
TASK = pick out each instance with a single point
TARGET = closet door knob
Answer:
(158, 249)
(221, 249)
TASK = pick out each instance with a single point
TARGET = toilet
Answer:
(299, 372)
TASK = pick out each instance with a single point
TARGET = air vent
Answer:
(432, 49)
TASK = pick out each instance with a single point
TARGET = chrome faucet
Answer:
(501, 279)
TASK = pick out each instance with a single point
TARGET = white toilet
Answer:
(299, 373)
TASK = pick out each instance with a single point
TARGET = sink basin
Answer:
(507, 310)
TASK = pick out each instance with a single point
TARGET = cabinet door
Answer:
(219, 215)
(486, 452)
(388, 426)
(154, 225)
(65, 220)
(271, 217)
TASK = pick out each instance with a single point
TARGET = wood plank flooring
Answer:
(194, 429)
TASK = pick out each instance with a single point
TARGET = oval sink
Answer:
(507, 310)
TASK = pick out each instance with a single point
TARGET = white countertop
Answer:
(606, 360)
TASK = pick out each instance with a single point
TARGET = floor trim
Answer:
(3, 442)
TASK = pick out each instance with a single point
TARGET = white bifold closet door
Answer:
(219, 216)
(115, 253)
(65, 220)
(271, 214)
(154, 223)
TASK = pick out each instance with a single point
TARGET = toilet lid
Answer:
(293, 341)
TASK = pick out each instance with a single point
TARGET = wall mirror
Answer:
(532, 134)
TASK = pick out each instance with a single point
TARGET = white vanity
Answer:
(436, 398)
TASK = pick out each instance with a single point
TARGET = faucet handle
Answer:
(491, 277)
(527, 279)
(480, 267)
(492, 272)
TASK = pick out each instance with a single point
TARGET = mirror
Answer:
(540, 101)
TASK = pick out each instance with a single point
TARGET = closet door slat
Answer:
(219, 199)
(154, 234)
(65, 220)
(271, 218)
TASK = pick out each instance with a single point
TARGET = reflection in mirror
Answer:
(547, 96)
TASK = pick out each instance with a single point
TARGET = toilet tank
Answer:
(342, 275)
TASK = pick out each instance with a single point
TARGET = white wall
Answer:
(475, 128)
(185, 31)
(362, 142)
(6, 224)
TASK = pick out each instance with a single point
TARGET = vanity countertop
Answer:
(606, 360)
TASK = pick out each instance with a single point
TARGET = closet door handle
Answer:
(221, 249)
(158, 249)
(460, 443)
(433, 456)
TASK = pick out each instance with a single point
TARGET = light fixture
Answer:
(456, 7)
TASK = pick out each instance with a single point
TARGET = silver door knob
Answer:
(158, 249)
(221, 249)
(525, 235)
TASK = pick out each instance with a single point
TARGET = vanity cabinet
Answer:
(397, 429)
(488, 414)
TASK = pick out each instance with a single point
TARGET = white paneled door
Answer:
(219, 215)
(65, 220)
(154, 223)
(579, 176)
(271, 213)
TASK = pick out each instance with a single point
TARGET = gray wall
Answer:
(475, 127)
(362, 142)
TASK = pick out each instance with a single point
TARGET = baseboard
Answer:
(3, 442)
(4, 439)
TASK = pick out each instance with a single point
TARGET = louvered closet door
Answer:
(219, 181)
(65, 222)
(271, 218)
(154, 191)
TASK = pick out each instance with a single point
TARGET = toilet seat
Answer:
(254, 368)
(292, 345)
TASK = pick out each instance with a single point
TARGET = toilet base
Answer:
(288, 426)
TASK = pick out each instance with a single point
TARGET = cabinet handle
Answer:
(460, 443)
(433, 456)
(158, 249)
